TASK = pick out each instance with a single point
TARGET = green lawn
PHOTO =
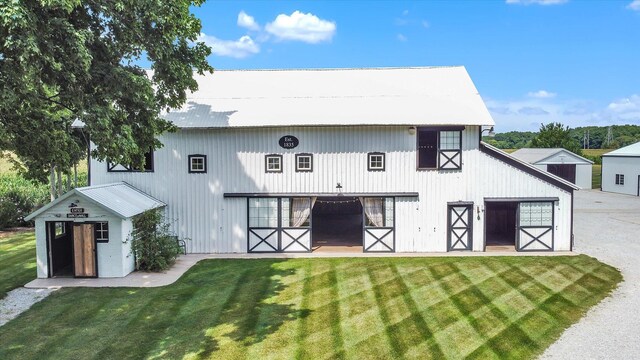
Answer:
(596, 179)
(17, 260)
(359, 308)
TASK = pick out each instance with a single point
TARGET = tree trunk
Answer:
(52, 183)
(75, 175)
(68, 181)
(59, 171)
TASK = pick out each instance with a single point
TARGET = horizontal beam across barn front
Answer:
(259, 195)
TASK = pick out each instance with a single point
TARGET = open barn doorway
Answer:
(337, 224)
(500, 226)
(60, 248)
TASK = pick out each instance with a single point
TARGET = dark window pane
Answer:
(427, 148)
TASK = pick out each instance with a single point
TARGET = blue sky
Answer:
(533, 61)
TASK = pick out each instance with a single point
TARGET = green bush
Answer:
(153, 245)
(18, 198)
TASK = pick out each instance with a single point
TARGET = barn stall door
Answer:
(379, 224)
(460, 229)
(279, 225)
(535, 226)
(84, 251)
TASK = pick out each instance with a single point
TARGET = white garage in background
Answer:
(559, 162)
(621, 170)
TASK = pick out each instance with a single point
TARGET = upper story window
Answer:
(619, 179)
(197, 164)
(304, 162)
(440, 148)
(375, 161)
(102, 232)
(273, 163)
(147, 167)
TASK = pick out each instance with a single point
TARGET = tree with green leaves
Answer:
(556, 135)
(62, 60)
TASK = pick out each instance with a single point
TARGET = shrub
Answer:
(18, 198)
(154, 247)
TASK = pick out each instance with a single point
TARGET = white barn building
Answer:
(367, 160)
(621, 170)
(559, 162)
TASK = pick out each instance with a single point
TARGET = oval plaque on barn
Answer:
(288, 142)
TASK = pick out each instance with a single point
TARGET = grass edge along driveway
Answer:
(476, 307)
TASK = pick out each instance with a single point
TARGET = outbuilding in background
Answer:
(559, 162)
(621, 170)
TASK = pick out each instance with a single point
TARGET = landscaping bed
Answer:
(477, 307)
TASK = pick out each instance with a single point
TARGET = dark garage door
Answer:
(565, 171)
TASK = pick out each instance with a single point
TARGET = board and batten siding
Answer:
(236, 163)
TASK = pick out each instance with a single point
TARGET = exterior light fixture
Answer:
(412, 130)
(490, 130)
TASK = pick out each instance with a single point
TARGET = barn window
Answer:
(147, 167)
(60, 229)
(102, 232)
(375, 161)
(273, 163)
(619, 179)
(304, 162)
(536, 214)
(197, 163)
(263, 213)
(439, 149)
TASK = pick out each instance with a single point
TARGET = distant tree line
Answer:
(621, 135)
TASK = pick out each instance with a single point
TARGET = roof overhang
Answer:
(369, 194)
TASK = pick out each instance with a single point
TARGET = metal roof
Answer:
(538, 155)
(526, 166)
(120, 198)
(630, 150)
(333, 97)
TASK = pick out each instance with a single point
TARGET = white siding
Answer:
(584, 175)
(628, 166)
(236, 164)
(112, 260)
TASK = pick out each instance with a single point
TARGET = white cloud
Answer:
(541, 94)
(634, 5)
(425, 24)
(526, 114)
(405, 12)
(626, 108)
(402, 38)
(241, 48)
(538, 2)
(247, 21)
(301, 27)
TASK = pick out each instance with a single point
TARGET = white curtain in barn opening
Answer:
(296, 212)
(379, 211)
(373, 209)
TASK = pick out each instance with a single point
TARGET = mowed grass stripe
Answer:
(383, 308)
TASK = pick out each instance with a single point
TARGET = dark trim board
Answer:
(284, 195)
(522, 199)
(520, 166)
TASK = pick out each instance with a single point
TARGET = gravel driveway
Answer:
(607, 226)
